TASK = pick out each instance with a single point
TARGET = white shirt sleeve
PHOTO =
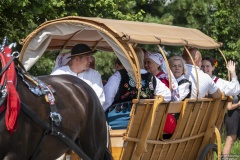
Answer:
(212, 87)
(231, 88)
(98, 87)
(110, 89)
(62, 70)
(163, 90)
(91, 77)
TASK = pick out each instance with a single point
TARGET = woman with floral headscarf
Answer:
(155, 64)
(230, 89)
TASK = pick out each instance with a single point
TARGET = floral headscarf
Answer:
(62, 60)
(158, 58)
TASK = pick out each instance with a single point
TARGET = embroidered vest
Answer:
(127, 88)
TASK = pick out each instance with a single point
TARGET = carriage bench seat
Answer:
(144, 137)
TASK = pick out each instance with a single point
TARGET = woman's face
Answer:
(151, 66)
(207, 67)
(177, 68)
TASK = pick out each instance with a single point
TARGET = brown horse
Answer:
(83, 121)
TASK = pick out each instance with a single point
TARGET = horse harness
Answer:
(40, 89)
(50, 129)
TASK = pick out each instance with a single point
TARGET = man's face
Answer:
(85, 61)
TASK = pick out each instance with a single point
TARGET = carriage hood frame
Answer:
(119, 36)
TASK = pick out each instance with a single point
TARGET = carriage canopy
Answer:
(118, 36)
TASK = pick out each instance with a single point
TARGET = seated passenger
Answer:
(206, 84)
(231, 88)
(155, 64)
(79, 66)
(121, 89)
(179, 70)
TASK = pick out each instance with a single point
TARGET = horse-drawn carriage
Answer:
(197, 130)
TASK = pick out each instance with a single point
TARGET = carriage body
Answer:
(200, 119)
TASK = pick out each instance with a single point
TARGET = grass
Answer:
(235, 148)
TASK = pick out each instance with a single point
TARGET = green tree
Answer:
(19, 18)
(224, 27)
(217, 18)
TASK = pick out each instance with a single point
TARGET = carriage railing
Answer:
(144, 137)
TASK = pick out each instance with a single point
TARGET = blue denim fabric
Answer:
(119, 118)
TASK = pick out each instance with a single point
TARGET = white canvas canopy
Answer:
(108, 35)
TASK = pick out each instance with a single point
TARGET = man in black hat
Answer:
(80, 66)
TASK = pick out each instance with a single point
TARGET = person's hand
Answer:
(231, 67)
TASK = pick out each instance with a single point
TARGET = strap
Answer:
(190, 86)
(41, 89)
(33, 156)
(54, 131)
(7, 65)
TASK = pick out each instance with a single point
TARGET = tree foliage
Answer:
(217, 18)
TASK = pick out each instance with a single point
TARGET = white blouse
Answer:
(229, 88)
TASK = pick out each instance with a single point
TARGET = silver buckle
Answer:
(56, 118)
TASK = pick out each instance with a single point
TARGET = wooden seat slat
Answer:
(197, 118)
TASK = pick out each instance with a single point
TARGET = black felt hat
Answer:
(81, 49)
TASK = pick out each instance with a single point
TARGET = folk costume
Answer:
(163, 75)
(90, 76)
(232, 117)
(121, 89)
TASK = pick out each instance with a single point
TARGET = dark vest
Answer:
(127, 88)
